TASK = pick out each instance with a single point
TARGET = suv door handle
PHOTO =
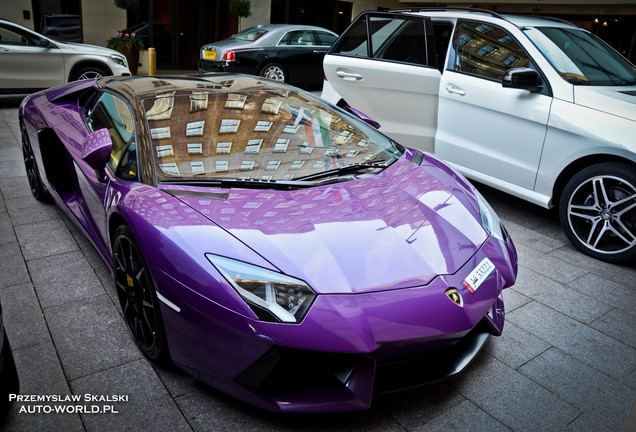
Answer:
(349, 76)
(455, 90)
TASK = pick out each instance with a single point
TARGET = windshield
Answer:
(582, 58)
(271, 135)
(250, 34)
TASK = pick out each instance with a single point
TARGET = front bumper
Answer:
(348, 347)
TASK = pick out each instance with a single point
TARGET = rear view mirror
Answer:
(522, 78)
(96, 149)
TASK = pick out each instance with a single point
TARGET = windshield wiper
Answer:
(228, 183)
(346, 170)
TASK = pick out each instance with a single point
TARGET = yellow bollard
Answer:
(152, 62)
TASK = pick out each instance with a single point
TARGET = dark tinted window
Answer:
(326, 39)
(354, 41)
(298, 37)
(10, 37)
(394, 38)
(487, 51)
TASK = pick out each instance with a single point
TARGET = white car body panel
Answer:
(46, 66)
(613, 100)
(494, 130)
(575, 132)
(403, 104)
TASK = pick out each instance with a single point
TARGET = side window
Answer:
(10, 37)
(395, 38)
(398, 39)
(298, 37)
(325, 39)
(487, 51)
(354, 41)
(112, 113)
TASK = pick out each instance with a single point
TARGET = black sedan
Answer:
(281, 52)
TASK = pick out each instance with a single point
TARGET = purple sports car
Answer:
(274, 246)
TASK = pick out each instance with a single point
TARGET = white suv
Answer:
(30, 61)
(536, 107)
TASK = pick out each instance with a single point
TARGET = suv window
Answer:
(487, 51)
(394, 38)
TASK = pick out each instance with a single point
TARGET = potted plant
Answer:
(240, 9)
(129, 45)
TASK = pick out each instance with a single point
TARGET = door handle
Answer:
(455, 90)
(349, 76)
(320, 51)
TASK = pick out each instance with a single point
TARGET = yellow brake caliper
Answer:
(131, 284)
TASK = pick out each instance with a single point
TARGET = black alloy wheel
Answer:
(137, 296)
(598, 211)
(30, 164)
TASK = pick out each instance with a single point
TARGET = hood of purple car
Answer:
(398, 229)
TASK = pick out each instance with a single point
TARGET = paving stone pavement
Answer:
(565, 362)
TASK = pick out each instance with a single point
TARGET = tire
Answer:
(137, 296)
(275, 72)
(88, 73)
(598, 211)
(30, 164)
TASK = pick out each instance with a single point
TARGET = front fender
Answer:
(174, 239)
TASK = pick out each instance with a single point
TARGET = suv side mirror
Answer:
(522, 78)
(96, 149)
(44, 43)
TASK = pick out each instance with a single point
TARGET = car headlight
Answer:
(120, 60)
(490, 220)
(272, 296)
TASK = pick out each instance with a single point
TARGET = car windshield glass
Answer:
(582, 58)
(250, 34)
(272, 135)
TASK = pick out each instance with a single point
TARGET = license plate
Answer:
(478, 275)
(209, 55)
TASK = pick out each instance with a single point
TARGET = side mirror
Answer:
(45, 43)
(96, 149)
(522, 78)
(362, 116)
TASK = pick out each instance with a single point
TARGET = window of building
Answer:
(229, 126)
(224, 147)
(195, 128)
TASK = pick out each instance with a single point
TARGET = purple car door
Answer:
(111, 113)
